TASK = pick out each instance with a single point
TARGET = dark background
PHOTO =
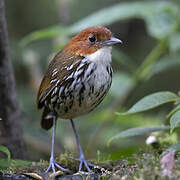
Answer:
(30, 62)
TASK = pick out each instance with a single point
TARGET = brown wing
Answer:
(61, 66)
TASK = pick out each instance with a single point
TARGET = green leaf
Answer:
(162, 21)
(160, 17)
(18, 162)
(136, 132)
(175, 120)
(51, 32)
(174, 42)
(4, 163)
(152, 101)
(6, 151)
(177, 108)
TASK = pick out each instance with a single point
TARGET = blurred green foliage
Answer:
(8, 162)
(147, 62)
(150, 102)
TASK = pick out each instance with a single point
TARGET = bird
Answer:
(75, 83)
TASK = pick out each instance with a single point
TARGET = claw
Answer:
(53, 164)
(85, 163)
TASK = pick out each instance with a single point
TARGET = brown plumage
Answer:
(77, 80)
(73, 53)
(47, 87)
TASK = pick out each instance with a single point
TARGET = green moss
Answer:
(145, 165)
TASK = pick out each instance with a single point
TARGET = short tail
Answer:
(47, 119)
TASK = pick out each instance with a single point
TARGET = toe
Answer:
(61, 168)
(47, 170)
(83, 161)
(92, 165)
(87, 167)
(80, 166)
(52, 166)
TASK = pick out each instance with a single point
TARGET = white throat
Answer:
(101, 56)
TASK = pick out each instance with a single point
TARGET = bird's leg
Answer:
(52, 163)
(81, 157)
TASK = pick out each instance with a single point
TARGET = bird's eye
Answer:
(92, 38)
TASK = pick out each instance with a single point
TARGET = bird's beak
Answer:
(112, 41)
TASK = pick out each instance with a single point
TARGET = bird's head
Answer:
(91, 40)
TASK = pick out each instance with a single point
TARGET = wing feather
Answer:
(61, 66)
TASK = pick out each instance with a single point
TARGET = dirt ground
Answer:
(145, 165)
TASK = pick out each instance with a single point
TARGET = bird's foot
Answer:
(87, 165)
(53, 164)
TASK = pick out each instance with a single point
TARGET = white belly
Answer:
(84, 94)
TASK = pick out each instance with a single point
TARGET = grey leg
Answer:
(52, 163)
(81, 158)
